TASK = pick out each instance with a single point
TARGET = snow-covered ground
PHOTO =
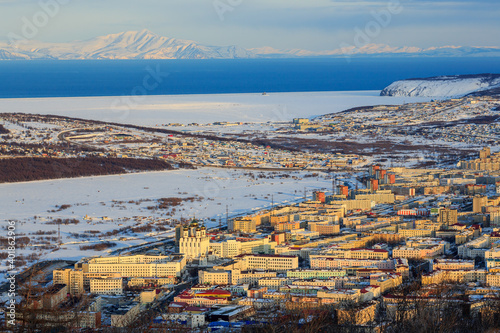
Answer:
(217, 186)
(115, 198)
(185, 109)
(441, 87)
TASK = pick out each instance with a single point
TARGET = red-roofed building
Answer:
(217, 293)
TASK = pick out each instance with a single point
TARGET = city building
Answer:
(70, 277)
(193, 240)
(458, 276)
(213, 276)
(125, 314)
(492, 258)
(417, 252)
(267, 262)
(226, 249)
(315, 273)
(475, 248)
(136, 266)
(451, 264)
(448, 216)
(107, 286)
(493, 279)
(244, 225)
(478, 203)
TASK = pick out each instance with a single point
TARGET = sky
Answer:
(314, 25)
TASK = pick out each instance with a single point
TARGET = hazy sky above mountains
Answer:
(307, 24)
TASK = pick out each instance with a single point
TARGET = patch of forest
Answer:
(374, 148)
(29, 169)
(3, 130)
(20, 148)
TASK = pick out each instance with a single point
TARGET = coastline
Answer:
(153, 110)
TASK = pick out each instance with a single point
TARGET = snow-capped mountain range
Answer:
(126, 45)
(444, 86)
(147, 45)
(381, 50)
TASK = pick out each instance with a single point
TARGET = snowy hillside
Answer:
(443, 86)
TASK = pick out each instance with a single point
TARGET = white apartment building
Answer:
(386, 281)
(461, 276)
(372, 225)
(425, 242)
(261, 245)
(89, 276)
(125, 315)
(340, 295)
(226, 249)
(356, 253)
(417, 253)
(471, 252)
(273, 282)
(333, 283)
(493, 279)
(319, 262)
(137, 266)
(492, 253)
(409, 233)
(193, 320)
(233, 276)
(452, 264)
(315, 273)
(70, 277)
(492, 257)
(107, 286)
(250, 276)
(475, 248)
(214, 276)
(77, 280)
(268, 262)
(154, 282)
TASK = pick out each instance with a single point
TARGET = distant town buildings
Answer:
(347, 246)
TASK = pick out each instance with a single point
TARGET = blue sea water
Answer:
(24, 79)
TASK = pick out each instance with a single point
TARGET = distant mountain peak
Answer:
(142, 44)
(131, 34)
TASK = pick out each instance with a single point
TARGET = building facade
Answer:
(193, 241)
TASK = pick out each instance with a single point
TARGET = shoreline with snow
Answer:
(156, 110)
(443, 86)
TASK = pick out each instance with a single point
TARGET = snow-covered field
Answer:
(185, 109)
(115, 198)
(216, 186)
